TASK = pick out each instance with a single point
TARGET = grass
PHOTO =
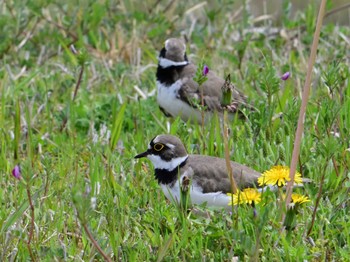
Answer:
(81, 188)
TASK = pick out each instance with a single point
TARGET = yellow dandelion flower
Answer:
(247, 196)
(278, 175)
(299, 199)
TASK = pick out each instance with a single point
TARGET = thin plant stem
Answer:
(306, 92)
(96, 245)
(31, 252)
(227, 156)
(31, 228)
(337, 9)
(202, 114)
(79, 81)
(319, 195)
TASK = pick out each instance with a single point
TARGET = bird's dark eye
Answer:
(158, 147)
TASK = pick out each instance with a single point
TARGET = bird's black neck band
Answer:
(168, 76)
(167, 177)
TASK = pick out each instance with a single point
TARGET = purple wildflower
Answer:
(205, 70)
(16, 172)
(285, 76)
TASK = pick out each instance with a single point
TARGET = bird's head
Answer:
(165, 152)
(173, 53)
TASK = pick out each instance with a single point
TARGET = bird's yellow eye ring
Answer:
(158, 147)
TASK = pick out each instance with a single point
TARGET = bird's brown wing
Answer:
(211, 90)
(210, 173)
(191, 93)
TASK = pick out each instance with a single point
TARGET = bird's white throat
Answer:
(159, 163)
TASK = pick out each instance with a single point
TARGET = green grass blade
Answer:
(17, 120)
(163, 250)
(117, 127)
(19, 212)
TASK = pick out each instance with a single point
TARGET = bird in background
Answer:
(180, 95)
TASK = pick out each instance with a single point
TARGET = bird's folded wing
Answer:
(211, 174)
(191, 93)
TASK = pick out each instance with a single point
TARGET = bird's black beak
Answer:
(144, 154)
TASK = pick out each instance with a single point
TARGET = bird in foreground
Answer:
(179, 94)
(206, 176)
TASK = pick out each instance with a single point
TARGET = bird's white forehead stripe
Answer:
(166, 44)
(155, 140)
(170, 145)
(164, 62)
